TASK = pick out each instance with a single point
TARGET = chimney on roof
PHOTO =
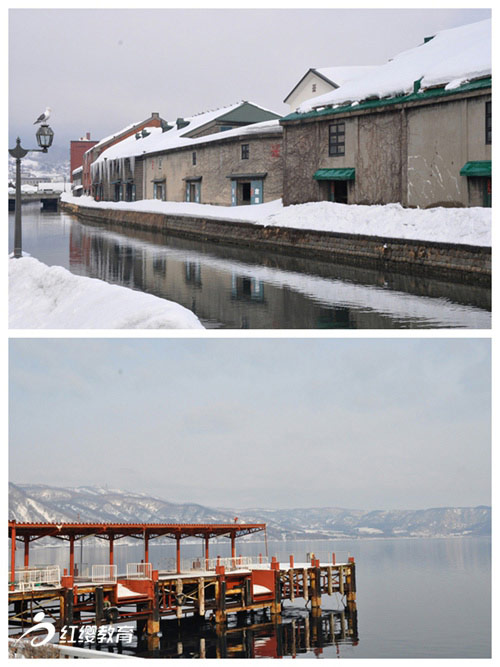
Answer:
(165, 126)
(87, 136)
(180, 122)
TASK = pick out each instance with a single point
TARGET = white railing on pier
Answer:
(139, 571)
(30, 578)
(104, 574)
(209, 564)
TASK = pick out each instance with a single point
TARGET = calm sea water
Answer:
(236, 288)
(416, 598)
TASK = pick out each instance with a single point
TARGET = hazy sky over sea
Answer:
(358, 423)
(103, 69)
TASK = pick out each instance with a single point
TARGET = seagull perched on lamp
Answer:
(43, 116)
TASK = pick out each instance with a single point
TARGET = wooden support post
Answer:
(66, 615)
(112, 550)
(351, 578)
(220, 610)
(26, 551)
(291, 581)
(99, 605)
(330, 582)
(276, 604)
(305, 584)
(248, 591)
(316, 587)
(12, 557)
(178, 552)
(153, 622)
(233, 546)
(207, 552)
(179, 597)
(201, 597)
(203, 651)
(341, 579)
(146, 548)
(334, 559)
(72, 556)
(68, 607)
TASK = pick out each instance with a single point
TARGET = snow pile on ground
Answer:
(43, 297)
(451, 57)
(469, 226)
(251, 213)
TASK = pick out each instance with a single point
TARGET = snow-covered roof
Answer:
(341, 75)
(451, 58)
(124, 130)
(162, 141)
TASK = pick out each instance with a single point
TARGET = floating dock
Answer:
(198, 588)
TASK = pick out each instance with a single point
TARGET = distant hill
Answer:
(42, 503)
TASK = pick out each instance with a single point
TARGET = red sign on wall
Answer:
(275, 150)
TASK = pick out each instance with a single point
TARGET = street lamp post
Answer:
(44, 137)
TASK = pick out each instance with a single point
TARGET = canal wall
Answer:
(462, 263)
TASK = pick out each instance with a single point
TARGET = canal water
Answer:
(416, 598)
(236, 288)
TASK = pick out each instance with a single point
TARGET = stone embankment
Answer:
(463, 263)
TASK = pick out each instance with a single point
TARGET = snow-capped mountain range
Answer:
(42, 503)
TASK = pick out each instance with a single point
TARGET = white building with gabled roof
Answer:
(321, 80)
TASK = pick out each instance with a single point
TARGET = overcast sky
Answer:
(360, 423)
(102, 69)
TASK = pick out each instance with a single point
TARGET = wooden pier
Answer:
(201, 588)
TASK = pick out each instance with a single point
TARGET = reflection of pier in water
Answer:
(242, 288)
(295, 632)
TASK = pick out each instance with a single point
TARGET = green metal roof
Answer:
(248, 113)
(476, 168)
(402, 99)
(339, 174)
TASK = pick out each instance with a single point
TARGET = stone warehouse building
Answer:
(427, 145)
(89, 185)
(230, 156)
(242, 167)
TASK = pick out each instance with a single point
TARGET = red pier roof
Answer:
(116, 530)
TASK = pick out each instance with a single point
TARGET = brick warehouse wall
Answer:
(462, 263)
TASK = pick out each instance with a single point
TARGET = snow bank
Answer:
(43, 297)
(469, 226)
(451, 57)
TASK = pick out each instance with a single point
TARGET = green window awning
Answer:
(476, 168)
(345, 174)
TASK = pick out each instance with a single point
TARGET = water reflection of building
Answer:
(239, 288)
(237, 299)
(258, 636)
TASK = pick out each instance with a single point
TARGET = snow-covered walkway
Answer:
(50, 297)
(469, 226)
